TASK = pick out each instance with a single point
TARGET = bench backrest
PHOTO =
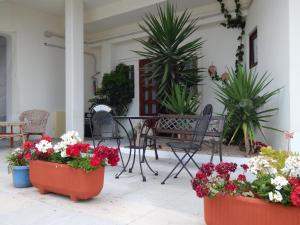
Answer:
(176, 124)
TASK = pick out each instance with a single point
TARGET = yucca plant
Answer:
(173, 58)
(182, 100)
(244, 97)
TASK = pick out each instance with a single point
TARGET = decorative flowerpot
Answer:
(228, 210)
(20, 176)
(65, 180)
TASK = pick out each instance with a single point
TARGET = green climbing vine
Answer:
(235, 22)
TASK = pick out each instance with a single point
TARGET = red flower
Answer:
(27, 155)
(201, 176)
(245, 167)
(28, 145)
(46, 138)
(241, 177)
(224, 168)
(295, 182)
(295, 196)
(73, 150)
(84, 147)
(201, 191)
(111, 154)
(207, 168)
(230, 186)
(95, 161)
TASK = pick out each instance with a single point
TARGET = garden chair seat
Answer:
(184, 146)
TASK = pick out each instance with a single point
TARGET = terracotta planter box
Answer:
(228, 210)
(65, 180)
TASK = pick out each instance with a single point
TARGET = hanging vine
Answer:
(237, 22)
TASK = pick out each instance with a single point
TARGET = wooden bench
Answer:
(12, 134)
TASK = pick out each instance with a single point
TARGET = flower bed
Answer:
(277, 180)
(58, 168)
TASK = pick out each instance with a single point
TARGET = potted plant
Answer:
(18, 161)
(172, 53)
(272, 197)
(70, 167)
(244, 96)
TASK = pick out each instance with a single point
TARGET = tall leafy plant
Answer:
(170, 52)
(244, 96)
(116, 91)
(182, 100)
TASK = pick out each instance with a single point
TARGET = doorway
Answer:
(3, 78)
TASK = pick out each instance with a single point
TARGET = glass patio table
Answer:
(135, 143)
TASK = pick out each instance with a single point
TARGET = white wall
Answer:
(272, 22)
(2, 78)
(294, 33)
(219, 48)
(37, 78)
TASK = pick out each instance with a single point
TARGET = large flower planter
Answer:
(65, 180)
(228, 210)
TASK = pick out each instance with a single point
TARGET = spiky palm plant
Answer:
(244, 96)
(168, 49)
(182, 100)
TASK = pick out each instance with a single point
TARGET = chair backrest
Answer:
(98, 108)
(104, 126)
(36, 120)
(216, 127)
(201, 128)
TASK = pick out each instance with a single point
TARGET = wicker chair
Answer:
(36, 121)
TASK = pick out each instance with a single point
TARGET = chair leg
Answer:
(186, 162)
(155, 149)
(213, 151)
(168, 176)
(121, 156)
(220, 151)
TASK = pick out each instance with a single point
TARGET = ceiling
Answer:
(136, 15)
(56, 7)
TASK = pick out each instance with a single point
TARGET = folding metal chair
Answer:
(104, 127)
(189, 148)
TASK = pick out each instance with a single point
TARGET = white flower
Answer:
(261, 164)
(275, 196)
(63, 154)
(279, 182)
(71, 138)
(43, 146)
(60, 146)
(292, 166)
(16, 151)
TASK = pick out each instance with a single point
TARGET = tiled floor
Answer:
(127, 200)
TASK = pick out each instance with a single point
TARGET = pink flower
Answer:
(288, 135)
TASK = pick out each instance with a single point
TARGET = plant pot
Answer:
(229, 210)
(20, 176)
(65, 180)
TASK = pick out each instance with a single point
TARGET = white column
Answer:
(74, 65)
(294, 47)
(106, 58)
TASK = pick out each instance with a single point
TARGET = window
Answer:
(253, 58)
(148, 100)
